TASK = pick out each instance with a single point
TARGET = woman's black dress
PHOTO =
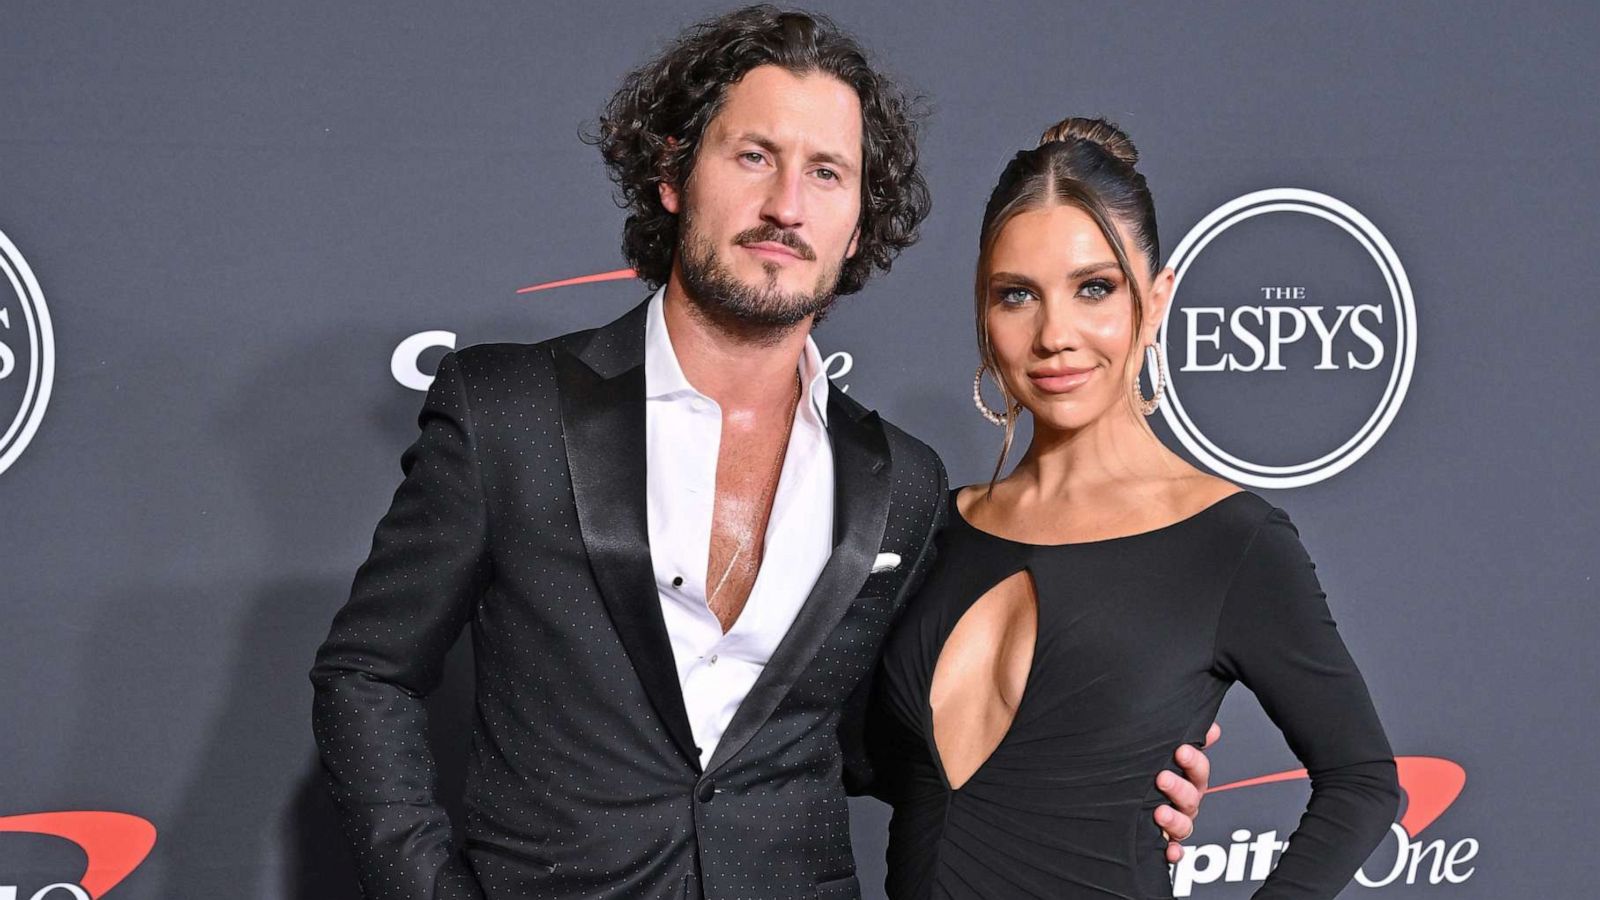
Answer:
(1138, 639)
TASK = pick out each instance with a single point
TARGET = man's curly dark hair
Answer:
(676, 94)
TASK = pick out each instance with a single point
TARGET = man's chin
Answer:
(769, 276)
(775, 295)
(755, 297)
(762, 311)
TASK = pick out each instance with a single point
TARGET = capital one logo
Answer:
(27, 356)
(405, 363)
(1290, 340)
(1430, 785)
(113, 845)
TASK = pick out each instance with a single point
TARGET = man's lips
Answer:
(773, 250)
(1060, 379)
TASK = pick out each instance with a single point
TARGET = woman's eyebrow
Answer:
(1075, 274)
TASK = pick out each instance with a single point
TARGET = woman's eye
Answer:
(1015, 296)
(1098, 289)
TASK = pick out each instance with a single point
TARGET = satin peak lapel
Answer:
(861, 513)
(603, 425)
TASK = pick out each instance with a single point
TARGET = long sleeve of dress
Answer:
(1276, 636)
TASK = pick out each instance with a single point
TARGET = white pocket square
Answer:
(885, 562)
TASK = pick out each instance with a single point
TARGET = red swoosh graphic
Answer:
(115, 843)
(1430, 784)
(617, 275)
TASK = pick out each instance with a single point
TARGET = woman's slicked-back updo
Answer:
(1081, 162)
(674, 96)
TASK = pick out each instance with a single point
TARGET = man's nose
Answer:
(785, 201)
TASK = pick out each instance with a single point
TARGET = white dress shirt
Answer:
(683, 432)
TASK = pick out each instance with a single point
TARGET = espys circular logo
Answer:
(27, 355)
(1290, 341)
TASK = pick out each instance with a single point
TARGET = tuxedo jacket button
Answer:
(706, 792)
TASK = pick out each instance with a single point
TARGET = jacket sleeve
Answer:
(419, 586)
(1277, 636)
(858, 774)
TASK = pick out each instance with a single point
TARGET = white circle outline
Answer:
(1382, 252)
(1393, 371)
(41, 356)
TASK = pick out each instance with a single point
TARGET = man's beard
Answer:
(753, 312)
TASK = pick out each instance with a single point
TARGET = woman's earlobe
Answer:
(1167, 280)
(1161, 297)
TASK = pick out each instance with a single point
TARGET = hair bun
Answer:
(1105, 135)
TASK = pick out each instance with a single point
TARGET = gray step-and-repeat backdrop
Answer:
(238, 237)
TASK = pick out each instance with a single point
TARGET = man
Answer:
(678, 546)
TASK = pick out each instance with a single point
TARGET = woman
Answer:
(1089, 611)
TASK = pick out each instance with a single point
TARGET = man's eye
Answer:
(827, 175)
(751, 156)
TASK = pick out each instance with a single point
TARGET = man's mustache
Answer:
(768, 232)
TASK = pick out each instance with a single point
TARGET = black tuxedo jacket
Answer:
(522, 513)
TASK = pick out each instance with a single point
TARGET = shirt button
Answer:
(677, 581)
(712, 661)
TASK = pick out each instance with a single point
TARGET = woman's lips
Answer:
(1060, 381)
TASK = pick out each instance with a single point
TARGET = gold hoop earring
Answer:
(1158, 380)
(983, 408)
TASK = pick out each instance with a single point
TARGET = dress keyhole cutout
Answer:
(981, 675)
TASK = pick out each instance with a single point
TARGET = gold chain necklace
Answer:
(772, 492)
